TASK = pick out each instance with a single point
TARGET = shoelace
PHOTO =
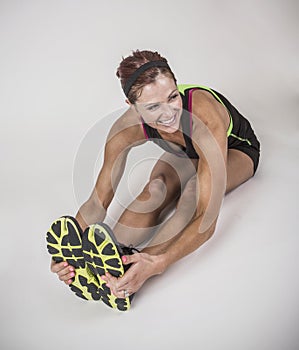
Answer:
(129, 250)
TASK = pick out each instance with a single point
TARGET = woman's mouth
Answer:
(168, 122)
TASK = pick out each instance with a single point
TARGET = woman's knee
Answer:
(154, 187)
(158, 194)
(153, 196)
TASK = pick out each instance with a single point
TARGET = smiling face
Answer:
(160, 104)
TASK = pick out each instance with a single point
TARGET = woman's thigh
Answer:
(166, 182)
(172, 173)
(240, 168)
(157, 199)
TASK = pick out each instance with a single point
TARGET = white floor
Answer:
(58, 61)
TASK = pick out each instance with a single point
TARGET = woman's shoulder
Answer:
(208, 109)
(127, 128)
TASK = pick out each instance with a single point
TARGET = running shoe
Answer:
(102, 253)
(64, 243)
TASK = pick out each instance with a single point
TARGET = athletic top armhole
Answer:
(182, 89)
(143, 127)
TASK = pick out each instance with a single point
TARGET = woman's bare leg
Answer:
(239, 170)
(160, 195)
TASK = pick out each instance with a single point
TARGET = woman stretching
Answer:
(210, 149)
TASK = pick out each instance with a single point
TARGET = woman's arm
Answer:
(124, 134)
(210, 120)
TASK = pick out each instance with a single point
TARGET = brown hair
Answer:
(131, 63)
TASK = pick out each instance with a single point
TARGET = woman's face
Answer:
(160, 104)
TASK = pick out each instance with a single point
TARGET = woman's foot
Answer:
(102, 253)
(64, 243)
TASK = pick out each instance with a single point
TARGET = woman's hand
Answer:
(143, 267)
(65, 272)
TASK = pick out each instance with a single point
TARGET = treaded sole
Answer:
(101, 255)
(65, 244)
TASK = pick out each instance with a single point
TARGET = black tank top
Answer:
(239, 130)
(152, 134)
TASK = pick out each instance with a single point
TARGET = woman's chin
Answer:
(168, 129)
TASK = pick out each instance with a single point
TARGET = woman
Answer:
(210, 150)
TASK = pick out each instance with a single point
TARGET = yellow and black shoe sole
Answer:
(64, 243)
(101, 253)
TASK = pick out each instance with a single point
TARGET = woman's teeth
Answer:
(168, 121)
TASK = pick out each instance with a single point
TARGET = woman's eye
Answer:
(174, 97)
(153, 107)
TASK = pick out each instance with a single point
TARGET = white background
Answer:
(57, 80)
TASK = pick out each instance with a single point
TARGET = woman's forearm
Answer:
(189, 240)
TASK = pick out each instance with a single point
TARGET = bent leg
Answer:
(183, 215)
(239, 170)
(158, 197)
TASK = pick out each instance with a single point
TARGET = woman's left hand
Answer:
(143, 267)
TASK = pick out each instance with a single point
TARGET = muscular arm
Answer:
(210, 142)
(94, 209)
(124, 134)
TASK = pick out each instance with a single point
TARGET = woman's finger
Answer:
(67, 276)
(56, 267)
(66, 271)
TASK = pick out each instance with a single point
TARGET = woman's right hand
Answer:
(65, 272)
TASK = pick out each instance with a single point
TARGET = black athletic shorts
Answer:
(242, 136)
(252, 150)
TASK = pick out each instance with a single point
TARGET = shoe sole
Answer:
(65, 244)
(102, 255)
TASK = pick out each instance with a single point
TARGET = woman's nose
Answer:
(166, 109)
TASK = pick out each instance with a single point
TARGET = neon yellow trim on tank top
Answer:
(183, 87)
(240, 138)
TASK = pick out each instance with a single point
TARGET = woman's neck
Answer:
(176, 137)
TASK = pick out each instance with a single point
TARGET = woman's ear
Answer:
(132, 105)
